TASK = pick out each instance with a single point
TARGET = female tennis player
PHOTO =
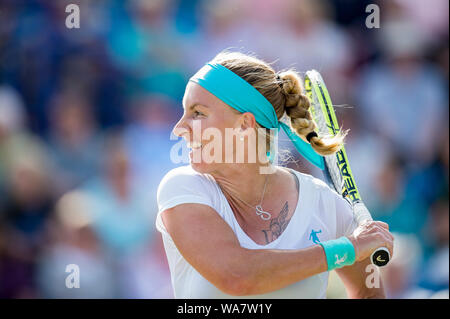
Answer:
(230, 230)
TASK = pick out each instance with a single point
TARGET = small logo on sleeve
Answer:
(313, 236)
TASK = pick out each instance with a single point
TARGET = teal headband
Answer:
(243, 97)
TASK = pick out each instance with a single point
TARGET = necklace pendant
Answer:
(263, 214)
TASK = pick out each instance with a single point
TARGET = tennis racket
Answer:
(337, 167)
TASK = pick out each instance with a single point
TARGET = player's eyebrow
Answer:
(196, 104)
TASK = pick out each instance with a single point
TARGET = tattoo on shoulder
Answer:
(277, 225)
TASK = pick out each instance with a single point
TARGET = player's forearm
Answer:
(358, 283)
(264, 270)
(365, 292)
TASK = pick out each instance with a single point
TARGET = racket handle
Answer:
(381, 256)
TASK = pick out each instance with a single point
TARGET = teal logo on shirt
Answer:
(313, 236)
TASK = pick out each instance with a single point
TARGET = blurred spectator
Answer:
(123, 220)
(431, 19)
(224, 25)
(402, 209)
(12, 125)
(72, 241)
(368, 153)
(151, 120)
(117, 205)
(400, 276)
(74, 142)
(22, 218)
(145, 45)
(412, 122)
(312, 39)
(435, 274)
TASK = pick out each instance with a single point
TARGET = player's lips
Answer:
(195, 148)
(194, 145)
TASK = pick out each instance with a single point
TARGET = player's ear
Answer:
(247, 122)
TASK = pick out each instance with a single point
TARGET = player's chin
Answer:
(201, 166)
(201, 163)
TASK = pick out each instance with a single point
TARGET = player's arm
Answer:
(208, 243)
(355, 276)
(356, 279)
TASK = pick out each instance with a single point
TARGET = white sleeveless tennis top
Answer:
(321, 214)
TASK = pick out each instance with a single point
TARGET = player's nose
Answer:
(182, 129)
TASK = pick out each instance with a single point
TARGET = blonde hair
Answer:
(285, 92)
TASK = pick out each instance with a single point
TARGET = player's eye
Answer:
(197, 114)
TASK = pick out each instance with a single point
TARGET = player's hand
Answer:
(370, 236)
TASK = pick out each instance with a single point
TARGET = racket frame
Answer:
(337, 167)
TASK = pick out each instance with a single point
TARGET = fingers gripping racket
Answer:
(337, 167)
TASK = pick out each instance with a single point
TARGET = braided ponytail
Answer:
(297, 108)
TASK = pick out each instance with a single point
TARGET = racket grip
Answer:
(361, 212)
(381, 256)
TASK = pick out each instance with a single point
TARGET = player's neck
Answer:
(244, 181)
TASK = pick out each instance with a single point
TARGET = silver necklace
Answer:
(259, 210)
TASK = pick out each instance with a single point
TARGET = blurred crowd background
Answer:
(86, 116)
